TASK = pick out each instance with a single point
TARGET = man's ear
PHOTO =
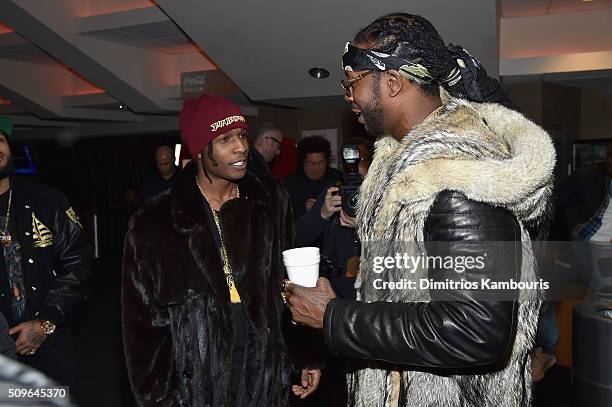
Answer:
(394, 81)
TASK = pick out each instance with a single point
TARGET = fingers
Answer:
(305, 378)
(22, 339)
(287, 286)
(26, 349)
(332, 190)
(346, 220)
(16, 329)
(322, 282)
(314, 376)
(22, 349)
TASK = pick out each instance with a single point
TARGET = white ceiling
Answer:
(75, 62)
(522, 8)
(268, 46)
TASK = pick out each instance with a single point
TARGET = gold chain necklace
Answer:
(227, 268)
(5, 237)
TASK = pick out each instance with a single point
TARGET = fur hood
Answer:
(489, 153)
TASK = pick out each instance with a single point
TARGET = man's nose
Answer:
(241, 146)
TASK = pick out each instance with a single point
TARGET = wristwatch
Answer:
(48, 327)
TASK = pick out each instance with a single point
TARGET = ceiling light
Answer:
(318, 73)
(121, 107)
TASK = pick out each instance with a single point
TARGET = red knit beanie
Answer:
(206, 118)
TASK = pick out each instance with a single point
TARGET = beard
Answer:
(372, 112)
(7, 170)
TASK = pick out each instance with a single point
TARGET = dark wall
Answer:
(94, 174)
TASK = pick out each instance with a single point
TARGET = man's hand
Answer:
(307, 305)
(309, 383)
(30, 337)
(347, 221)
(332, 204)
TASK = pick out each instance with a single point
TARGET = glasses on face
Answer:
(348, 83)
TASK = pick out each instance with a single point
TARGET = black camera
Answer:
(352, 179)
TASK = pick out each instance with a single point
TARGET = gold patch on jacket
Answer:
(42, 235)
(73, 216)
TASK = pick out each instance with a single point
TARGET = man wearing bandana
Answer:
(202, 267)
(448, 177)
(45, 260)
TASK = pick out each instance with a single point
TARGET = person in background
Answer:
(327, 226)
(165, 176)
(45, 261)
(266, 147)
(312, 176)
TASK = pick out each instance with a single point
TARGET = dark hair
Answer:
(209, 152)
(414, 38)
(313, 144)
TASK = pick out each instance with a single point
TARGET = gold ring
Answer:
(285, 285)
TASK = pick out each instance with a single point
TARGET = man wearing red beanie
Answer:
(201, 301)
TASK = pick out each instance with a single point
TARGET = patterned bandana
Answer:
(359, 59)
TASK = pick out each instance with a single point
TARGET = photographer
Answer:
(312, 176)
(332, 228)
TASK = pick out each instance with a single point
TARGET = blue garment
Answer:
(548, 331)
(586, 231)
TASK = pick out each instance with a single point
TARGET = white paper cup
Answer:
(302, 265)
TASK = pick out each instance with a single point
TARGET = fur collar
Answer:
(186, 199)
(489, 153)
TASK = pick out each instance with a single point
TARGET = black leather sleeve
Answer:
(452, 331)
(72, 265)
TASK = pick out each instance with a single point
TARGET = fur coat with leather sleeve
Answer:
(465, 170)
(177, 322)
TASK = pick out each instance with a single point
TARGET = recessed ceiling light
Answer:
(318, 73)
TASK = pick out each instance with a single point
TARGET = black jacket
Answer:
(177, 322)
(452, 333)
(301, 188)
(56, 256)
(156, 184)
(257, 164)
